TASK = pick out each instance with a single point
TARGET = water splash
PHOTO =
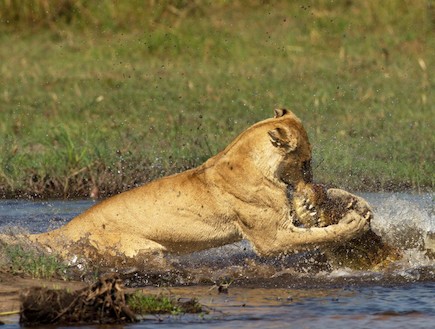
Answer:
(403, 220)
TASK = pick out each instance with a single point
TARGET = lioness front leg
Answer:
(295, 238)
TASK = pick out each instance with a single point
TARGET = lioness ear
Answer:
(284, 137)
(280, 112)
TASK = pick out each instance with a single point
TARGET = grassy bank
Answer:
(103, 100)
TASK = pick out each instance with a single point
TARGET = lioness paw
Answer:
(354, 222)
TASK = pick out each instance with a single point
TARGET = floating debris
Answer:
(103, 302)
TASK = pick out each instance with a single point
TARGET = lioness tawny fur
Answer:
(241, 193)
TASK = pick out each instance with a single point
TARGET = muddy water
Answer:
(296, 291)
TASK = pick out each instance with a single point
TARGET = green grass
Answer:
(113, 98)
(18, 260)
(143, 304)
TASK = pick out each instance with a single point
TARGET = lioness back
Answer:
(160, 214)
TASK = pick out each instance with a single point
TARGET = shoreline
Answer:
(7, 194)
(212, 297)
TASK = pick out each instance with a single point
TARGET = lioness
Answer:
(241, 193)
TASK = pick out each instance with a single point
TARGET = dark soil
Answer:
(102, 302)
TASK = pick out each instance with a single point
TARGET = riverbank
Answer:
(382, 304)
(11, 286)
(94, 106)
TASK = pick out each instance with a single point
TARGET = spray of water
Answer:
(405, 221)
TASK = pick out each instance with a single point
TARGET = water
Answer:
(282, 293)
(407, 306)
(38, 216)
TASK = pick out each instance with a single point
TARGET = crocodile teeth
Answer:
(351, 204)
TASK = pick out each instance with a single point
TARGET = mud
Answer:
(11, 287)
(102, 302)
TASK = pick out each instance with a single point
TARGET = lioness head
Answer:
(291, 140)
